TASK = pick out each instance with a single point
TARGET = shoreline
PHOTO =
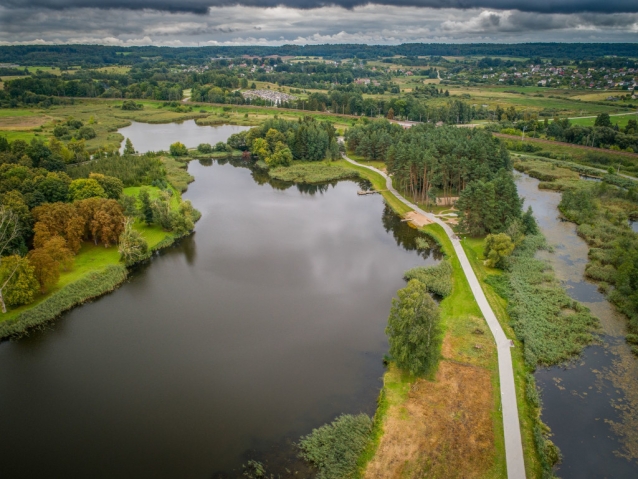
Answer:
(92, 285)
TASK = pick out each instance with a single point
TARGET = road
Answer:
(511, 426)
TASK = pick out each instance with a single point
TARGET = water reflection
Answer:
(155, 137)
(267, 322)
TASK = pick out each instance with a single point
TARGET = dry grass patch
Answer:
(444, 429)
(22, 122)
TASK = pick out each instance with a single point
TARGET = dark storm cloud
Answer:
(202, 6)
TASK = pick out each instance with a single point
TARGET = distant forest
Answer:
(92, 55)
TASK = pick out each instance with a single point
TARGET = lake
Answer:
(266, 323)
(159, 137)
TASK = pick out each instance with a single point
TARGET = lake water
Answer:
(590, 405)
(266, 323)
(155, 137)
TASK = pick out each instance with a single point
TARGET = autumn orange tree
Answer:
(103, 219)
(58, 219)
(48, 260)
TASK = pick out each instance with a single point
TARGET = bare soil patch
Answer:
(417, 219)
(443, 430)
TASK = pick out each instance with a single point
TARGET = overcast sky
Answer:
(272, 22)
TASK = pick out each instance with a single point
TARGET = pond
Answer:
(590, 405)
(159, 137)
(266, 323)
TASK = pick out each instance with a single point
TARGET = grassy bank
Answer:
(91, 285)
(96, 271)
(313, 172)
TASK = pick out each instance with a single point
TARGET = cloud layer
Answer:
(27, 22)
(202, 6)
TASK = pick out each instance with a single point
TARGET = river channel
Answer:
(590, 405)
(266, 323)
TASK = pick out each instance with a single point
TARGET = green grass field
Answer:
(620, 120)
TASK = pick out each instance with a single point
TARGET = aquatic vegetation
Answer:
(335, 448)
(553, 327)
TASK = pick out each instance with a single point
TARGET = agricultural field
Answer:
(534, 99)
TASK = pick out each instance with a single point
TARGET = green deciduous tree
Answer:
(113, 187)
(497, 248)
(178, 149)
(162, 210)
(413, 328)
(133, 247)
(83, 188)
(18, 284)
(603, 119)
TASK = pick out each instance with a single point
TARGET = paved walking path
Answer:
(511, 427)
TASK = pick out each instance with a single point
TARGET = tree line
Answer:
(429, 162)
(277, 142)
(47, 213)
(100, 55)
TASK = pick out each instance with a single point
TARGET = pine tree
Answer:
(147, 209)
(128, 147)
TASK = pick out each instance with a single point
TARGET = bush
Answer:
(335, 448)
(220, 146)
(204, 148)
(85, 133)
(178, 149)
(60, 130)
(437, 279)
(131, 105)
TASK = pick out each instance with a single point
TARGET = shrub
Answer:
(437, 279)
(131, 105)
(334, 448)
(178, 149)
(60, 130)
(204, 148)
(85, 133)
(220, 146)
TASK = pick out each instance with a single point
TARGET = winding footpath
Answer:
(511, 427)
